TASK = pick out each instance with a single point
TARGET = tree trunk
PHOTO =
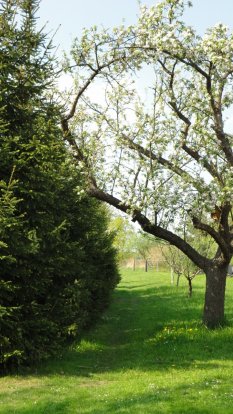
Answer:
(172, 276)
(215, 296)
(190, 286)
(178, 279)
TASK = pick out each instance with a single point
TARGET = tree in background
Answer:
(181, 265)
(143, 243)
(124, 233)
(166, 160)
(130, 242)
(58, 266)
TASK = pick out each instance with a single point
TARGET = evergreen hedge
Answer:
(58, 266)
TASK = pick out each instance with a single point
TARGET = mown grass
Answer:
(148, 354)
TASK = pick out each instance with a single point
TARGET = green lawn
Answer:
(148, 354)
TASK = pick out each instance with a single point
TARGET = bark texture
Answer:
(213, 316)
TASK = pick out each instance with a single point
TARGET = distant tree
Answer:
(129, 242)
(181, 265)
(168, 159)
(124, 233)
(143, 244)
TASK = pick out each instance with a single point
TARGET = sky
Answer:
(70, 16)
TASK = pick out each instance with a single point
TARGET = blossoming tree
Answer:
(166, 160)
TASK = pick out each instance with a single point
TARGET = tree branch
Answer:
(216, 107)
(182, 59)
(150, 228)
(214, 234)
(196, 156)
(95, 73)
(218, 120)
(163, 161)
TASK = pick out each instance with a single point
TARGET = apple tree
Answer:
(164, 157)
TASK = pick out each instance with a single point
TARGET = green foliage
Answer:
(10, 228)
(57, 264)
(130, 242)
(143, 243)
(124, 237)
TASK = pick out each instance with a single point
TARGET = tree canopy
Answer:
(167, 160)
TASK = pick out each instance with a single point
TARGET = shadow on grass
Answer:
(45, 407)
(150, 404)
(149, 329)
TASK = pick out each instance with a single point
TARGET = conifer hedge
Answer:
(58, 266)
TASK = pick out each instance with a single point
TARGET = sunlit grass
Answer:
(148, 354)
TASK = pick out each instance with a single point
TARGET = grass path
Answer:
(147, 355)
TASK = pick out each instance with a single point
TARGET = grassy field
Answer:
(148, 354)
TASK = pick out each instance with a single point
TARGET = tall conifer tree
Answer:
(50, 285)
